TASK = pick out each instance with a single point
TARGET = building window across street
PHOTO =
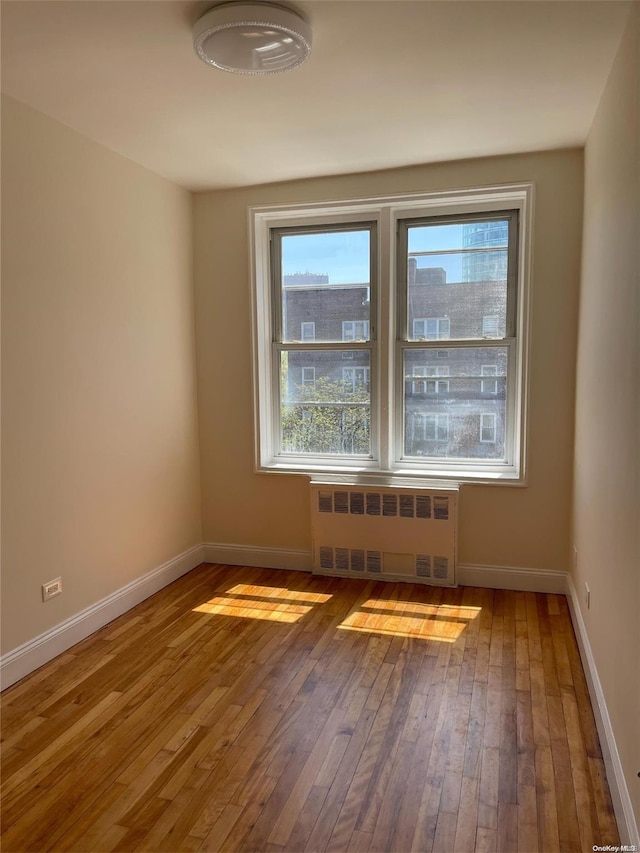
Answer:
(355, 330)
(488, 428)
(456, 293)
(431, 328)
(427, 385)
(430, 427)
(307, 331)
(489, 386)
(309, 376)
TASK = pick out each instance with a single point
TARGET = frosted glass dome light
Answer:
(252, 38)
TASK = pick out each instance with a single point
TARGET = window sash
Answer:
(403, 224)
(276, 277)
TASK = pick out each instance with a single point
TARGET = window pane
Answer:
(461, 416)
(325, 282)
(330, 415)
(457, 272)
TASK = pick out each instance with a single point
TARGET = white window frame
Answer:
(488, 421)
(386, 464)
(489, 385)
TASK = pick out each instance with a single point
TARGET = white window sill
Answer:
(360, 476)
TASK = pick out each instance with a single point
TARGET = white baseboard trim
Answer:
(494, 577)
(623, 808)
(251, 555)
(33, 654)
(504, 577)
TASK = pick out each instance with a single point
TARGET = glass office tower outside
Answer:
(485, 266)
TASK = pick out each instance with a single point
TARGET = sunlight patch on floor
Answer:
(268, 603)
(442, 622)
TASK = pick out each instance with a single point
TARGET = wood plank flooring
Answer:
(258, 710)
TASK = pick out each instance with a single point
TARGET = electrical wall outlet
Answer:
(587, 595)
(51, 589)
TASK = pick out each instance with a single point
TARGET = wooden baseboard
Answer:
(33, 654)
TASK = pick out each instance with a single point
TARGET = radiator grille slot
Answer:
(341, 502)
(423, 565)
(441, 508)
(356, 503)
(423, 506)
(440, 567)
(374, 562)
(389, 505)
(342, 559)
(326, 557)
(374, 501)
(407, 506)
(357, 560)
(325, 501)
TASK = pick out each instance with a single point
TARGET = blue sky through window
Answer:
(344, 255)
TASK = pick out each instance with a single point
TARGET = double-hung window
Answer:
(425, 298)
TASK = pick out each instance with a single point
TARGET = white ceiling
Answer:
(389, 83)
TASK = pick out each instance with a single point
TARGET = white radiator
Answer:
(385, 533)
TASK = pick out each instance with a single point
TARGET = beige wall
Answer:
(499, 526)
(607, 461)
(100, 474)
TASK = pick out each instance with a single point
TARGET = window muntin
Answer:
(387, 434)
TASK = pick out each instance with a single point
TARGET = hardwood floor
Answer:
(261, 710)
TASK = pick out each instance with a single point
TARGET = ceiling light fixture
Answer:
(252, 38)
